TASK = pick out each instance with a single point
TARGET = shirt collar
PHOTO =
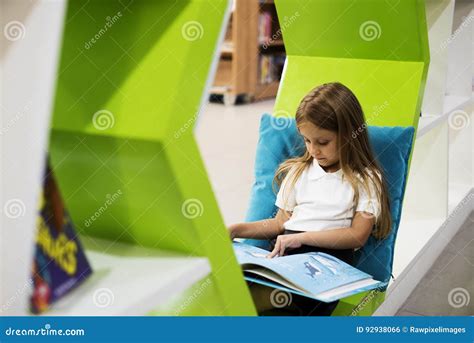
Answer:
(315, 171)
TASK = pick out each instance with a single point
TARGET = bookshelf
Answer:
(252, 54)
(108, 293)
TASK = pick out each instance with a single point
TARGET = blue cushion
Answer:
(279, 140)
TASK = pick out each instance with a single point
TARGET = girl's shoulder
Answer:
(370, 179)
(370, 182)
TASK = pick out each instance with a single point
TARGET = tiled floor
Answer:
(448, 286)
(227, 136)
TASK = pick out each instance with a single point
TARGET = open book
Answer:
(315, 275)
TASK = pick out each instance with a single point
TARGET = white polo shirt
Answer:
(322, 201)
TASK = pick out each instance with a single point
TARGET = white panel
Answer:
(461, 155)
(31, 40)
(459, 82)
(439, 16)
(426, 191)
(406, 282)
(442, 163)
(426, 197)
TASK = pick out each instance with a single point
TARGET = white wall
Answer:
(29, 56)
(439, 194)
(439, 17)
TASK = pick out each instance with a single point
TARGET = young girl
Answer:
(331, 199)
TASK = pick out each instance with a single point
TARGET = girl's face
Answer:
(321, 144)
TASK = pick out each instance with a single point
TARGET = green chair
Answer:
(379, 49)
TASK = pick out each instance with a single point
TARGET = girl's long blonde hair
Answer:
(333, 107)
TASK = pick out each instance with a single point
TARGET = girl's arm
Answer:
(262, 229)
(340, 238)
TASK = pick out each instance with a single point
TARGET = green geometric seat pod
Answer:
(379, 49)
(130, 84)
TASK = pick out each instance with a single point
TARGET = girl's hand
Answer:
(285, 241)
(232, 231)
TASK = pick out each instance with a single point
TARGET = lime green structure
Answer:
(130, 84)
(379, 49)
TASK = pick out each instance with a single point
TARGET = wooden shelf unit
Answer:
(238, 73)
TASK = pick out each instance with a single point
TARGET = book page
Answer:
(312, 273)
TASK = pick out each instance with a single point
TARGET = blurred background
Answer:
(245, 86)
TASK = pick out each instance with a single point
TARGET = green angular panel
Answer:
(377, 48)
(365, 29)
(131, 80)
(387, 90)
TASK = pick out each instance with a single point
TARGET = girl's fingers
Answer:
(273, 253)
(282, 249)
(278, 250)
(275, 250)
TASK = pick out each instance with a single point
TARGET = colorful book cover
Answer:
(264, 27)
(59, 263)
(264, 69)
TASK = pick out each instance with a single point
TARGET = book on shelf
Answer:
(264, 27)
(271, 67)
(59, 263)
(315, 275)
(227, 46)
(265, 76)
